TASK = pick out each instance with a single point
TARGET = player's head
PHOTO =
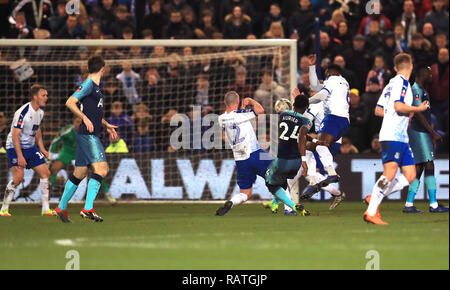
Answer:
(403, 63)
(423, 74)
(301, 102)
(96, 64)
(333, 70)
(231, 99)
(39, 95)
(77, 122)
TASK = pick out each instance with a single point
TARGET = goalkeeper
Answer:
(66, 137)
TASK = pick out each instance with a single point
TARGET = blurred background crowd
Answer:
(141, 99)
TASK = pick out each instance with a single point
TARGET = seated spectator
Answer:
(156, 19)
(20, 29)
(227, 7)
(332, 25)
(343, 36)
(269, 92)
(400, 41)
(129, 80)
(303, 68)
(237, 25)
(274, 15)
(428, 32)
(95, 33)
(421, 51)
(378, 71)
(176, 29)
(123, 19)
(359, 117)
(105, 13)
(207, 27)
(441, 41)
(127, 33)
(240, 85)
(71, 29)
(112, 93)
(373, 38)
(123, 121)
(385, 23)
(438, 17)
(275, 31)
(143, 142)
(375, 146)
(347, 147)
(189, 18)
(301, 21)
(203, 96)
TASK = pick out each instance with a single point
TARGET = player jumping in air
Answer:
(422, 139)
(291, 157)
(89, 147)
(251, 160)
(334, 93)
(22, 151)
(67, 138)
(396, 100)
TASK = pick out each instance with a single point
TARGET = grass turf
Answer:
(189, 236)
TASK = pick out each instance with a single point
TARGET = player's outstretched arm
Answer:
(302, 137)
(40, 143)
(71, 103)
(256, 106)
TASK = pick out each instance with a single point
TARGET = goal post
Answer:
(155, 81)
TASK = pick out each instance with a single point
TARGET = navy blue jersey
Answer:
(420, 95)
(91, 98)
(289, 130)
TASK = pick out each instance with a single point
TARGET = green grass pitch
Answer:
(189, 236)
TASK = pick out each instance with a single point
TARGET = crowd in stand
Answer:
(362, 44)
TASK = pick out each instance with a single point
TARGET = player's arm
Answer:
(40, 143)
(111, 129)
(71, 103)
(379, 111)
(421, 118)
(313, 79)
(256, 106)
(16, 142)
(320, 96)
(402, 108)
(302, 137)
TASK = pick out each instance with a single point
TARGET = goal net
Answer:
(165, 96)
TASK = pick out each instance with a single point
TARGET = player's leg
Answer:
(100, 171)
(338, 196)
(44, 185)
(412, 190)
(17, 177)
(430, 182)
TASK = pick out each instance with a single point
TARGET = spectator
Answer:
(203, 95)
(269, 92)
(275, 31)
(343, 37)
(111, 94)
(71, 30)
(227, 7)
(440, 85)
(20, 29)
(58, 19)
(105, 13)
(358, 59)
(428, 32)
(176, 29)
(175, 5)
(303, 68)
(237, 25)
(346, 73)
(34, 16)
(123, 19)
(388, 49)
(378, 71)
(438, 17)
(302, 21)
(123, 121)
(129, 80)
(156, 19)
(189, 19)
(372, 93)
(347, 147)
(327, 46)
(422, 8)
(421, 51)
(359, 117)
(240, 85)
(127, 33)
(375, 146)
(385, 23)
(409, 20)
(143, 142)
(333, 24)
(441, 42)
(374, 39)
(400, 41)
(274, 15)
(95, 33)
(212, 6)
(207, 27)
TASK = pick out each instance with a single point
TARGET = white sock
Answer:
(288, 193)
(43, 185)
(378, 191)
(330, 188)
(397, 184)
(311, 163)
(327, 159)
(434, 205)
(239, 198)
(9, 194)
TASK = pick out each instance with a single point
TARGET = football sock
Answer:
(275, 200)
(239, 198)
(69, 190)
(396, 185)
(52, 179)
(283, 197)
(43, 185)
(93, 187)
(412, 190)
(327, 159)
(378, 192)
(105, 186)
(9, 194)
(311, 163)
(430, 182)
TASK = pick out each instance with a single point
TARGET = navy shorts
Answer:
(32, 156)
(335, 126)
(248, 169)
(398, 152)
(281, 170)
(89, 150)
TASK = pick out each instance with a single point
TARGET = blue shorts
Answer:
(89, 150)
(335, 148)
(398, 152)
(32, 156)
(335, 126)
(248, 169)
